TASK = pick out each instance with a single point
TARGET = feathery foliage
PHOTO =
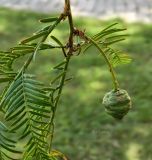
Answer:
(108, 37)
(6, 72)
(7, 145)
(27, 107)
(30, 106)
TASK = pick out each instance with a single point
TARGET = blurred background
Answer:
(83, 130)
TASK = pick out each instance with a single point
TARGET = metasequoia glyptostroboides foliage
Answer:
(29, 107)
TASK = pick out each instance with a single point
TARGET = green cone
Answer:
(117, 103)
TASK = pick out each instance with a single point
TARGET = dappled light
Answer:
(133, 152)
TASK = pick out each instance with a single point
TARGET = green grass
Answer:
(83, 130)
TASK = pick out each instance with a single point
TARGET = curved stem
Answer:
(70, 45)
(58, 98)
(62, 82)
(115, 81)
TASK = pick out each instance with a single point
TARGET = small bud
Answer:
(117, 103)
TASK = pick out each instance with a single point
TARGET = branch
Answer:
(70, 19)
(62, 16)
(61, 84)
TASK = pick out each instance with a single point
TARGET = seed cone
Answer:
(117, 103)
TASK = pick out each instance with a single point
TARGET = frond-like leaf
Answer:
(117, 57)
(105, 39)
(6, 72)
(108, 36)
(6, 144)
(28, 108)
(108, 31)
